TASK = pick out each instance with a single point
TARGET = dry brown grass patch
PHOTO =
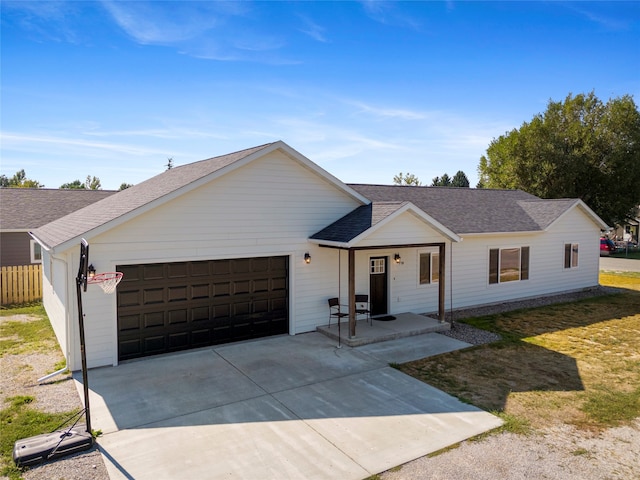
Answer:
(576, 363)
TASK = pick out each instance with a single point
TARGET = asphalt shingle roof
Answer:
(470, 210)
(29, 208)
(357, 221)
(98, 214)
(461, 210)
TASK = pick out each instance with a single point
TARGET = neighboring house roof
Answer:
(161, 188)
(474, 211)
(23, 209)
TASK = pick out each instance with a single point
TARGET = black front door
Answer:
(378, 285)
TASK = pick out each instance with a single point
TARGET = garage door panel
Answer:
(178, 341)
(241, 287)
(200, 314)
(279, 284)
(129, 322)
(153, 295)
(176, 306)
(222, 289)
(199, 291)
(153, 319)
(178, 316)
(177, 294)
(260, 285)
(177, 270)
(155, 345)
(129, 298)
(152, 271)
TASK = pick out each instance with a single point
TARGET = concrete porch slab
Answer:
(405, 325)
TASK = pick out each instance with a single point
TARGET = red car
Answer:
(606, 247)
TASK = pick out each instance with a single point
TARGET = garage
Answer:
(167, 307)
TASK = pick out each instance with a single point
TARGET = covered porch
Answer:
(395, 255)
(404, 325)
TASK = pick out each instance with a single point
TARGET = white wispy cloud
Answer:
(164, 23)
(312, 29)
(607, 21)
(390, 13)
(50, 21)
(35, 143)
(387, 112)
(219, 31)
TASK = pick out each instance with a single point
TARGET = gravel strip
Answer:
(561, 453)
(469, 334)
(58, 394)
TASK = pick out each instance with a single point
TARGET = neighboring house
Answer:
(24, 209)
(628, 231)
(253, 244)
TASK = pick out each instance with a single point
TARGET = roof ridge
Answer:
(256, 148)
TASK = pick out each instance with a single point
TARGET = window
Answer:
(570, 255)
(36, 252)
(508, 264)
(377, 265)
(429, 268)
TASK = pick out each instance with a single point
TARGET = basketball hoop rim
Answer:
(105, 276)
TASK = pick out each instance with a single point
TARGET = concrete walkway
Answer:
(287, 407)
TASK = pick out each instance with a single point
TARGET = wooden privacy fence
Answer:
(21, 284)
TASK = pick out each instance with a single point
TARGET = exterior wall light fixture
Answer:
(91, 271)
(307, 258)
(397, 258)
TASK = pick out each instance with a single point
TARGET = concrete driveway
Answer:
(282, 407)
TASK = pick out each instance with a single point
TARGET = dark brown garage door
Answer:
(167, 307)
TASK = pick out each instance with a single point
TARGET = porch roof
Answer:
(366, 219)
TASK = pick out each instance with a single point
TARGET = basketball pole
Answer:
(81, 282)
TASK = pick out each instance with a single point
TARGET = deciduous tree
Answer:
(406, 179)
(19, 180)
(578, 148)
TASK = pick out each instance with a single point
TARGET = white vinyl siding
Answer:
(267, 208)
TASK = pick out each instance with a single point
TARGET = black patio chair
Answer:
(363, 307)
(334, 310)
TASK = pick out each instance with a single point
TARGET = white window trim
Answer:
(32, 251)
(508, 247)
(431, 254)
(571, 266)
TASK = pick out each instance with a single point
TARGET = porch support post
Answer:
(352, 293)
(441, 281)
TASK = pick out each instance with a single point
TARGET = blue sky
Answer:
(364, 89)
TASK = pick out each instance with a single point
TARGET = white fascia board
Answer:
(420, 214)
(42, 245)
(14, 230)
(328, 243)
